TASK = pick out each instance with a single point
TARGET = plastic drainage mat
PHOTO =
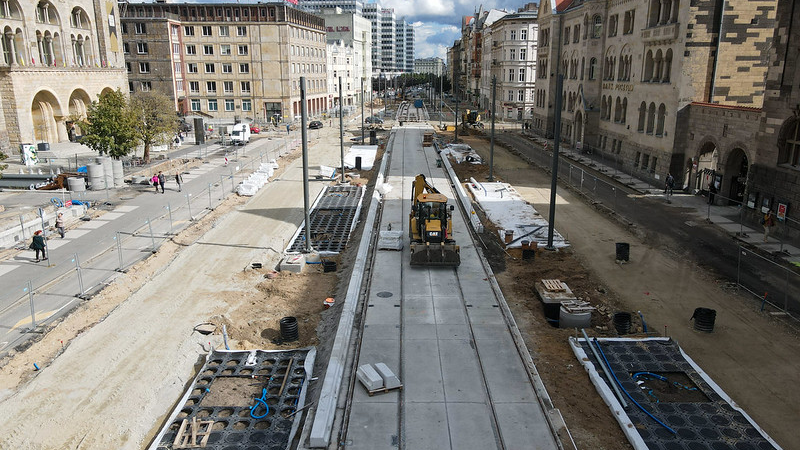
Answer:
(332, 220)
(224, 391)
(671, 387)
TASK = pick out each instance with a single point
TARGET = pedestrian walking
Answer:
(712, 191)
(179, 180)
(768, 221)
(60, 224)
(154, 180)
(162, 180)
(287, 128)
(38, 245)
(669, 185)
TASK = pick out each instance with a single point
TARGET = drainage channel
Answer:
(241, 400)
(332, 220)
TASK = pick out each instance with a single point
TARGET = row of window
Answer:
(312, 52)
(512, 35)
(213, 105)
(227, 87)
(519, 95)
(512, 54)
(511, 75)
(657, 67)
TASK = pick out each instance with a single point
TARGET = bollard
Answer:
(152, 237)
(80, 275)
(119, 250)
(33, 310)
(209, 197)
(189, 203)
(22, 226)
(169, 210)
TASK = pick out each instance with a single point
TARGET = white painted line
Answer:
(5, 268)
(125, 208)
(93, 224)
(112, 216)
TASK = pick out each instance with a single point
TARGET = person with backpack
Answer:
(669, 185)
(162, 180)
(154, 180)
(768, 221)
(179, 180)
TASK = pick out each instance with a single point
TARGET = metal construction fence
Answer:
(132, 242)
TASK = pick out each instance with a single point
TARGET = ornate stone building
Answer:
(632, 70)
(57, 57)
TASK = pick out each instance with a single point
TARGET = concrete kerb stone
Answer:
(331, 386)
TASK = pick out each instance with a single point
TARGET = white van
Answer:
(240, 134)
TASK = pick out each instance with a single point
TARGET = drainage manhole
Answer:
(384, 294)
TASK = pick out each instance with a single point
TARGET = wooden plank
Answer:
(177, 442)
(553, 285)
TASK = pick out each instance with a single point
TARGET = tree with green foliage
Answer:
(109, 128)
(155, 119)
(3, 167)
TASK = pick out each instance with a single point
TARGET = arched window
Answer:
(603, 108)
(583, 67)
(9, 9)
(662, 114)
(657, 66)
(655, 13)
(618, 110)
(608, 108)
(592, 68)
(585, 26)
(665, 77)
(642, 117)
(648, 67)
(79, 19)
(46, 13)
(577, 36)
(624, 110)
(651, 118)
(597, 29)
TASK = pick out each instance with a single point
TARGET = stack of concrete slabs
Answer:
(227, 387)
(693, 411)
(333, 218)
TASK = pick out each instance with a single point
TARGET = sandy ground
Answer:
(113, 369)
(750, 355)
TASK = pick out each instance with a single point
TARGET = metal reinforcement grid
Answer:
(331, 220)
(228, 402)
(656, 374)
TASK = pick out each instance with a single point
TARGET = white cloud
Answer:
(413, 8)
(433, 39)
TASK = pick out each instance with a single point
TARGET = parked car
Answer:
(254, 129)
(314, 124)
(373, 119)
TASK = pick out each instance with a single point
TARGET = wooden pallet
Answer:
(188, 438)
(553, 285)
(383, 390)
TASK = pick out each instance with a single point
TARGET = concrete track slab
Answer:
(505, 377)
(92, 225)
(6, 268)
(381, 331)
(373, 426)
(521, 428)
(486, 316)
(422, 371)
(461, 372)
(78, 233)
(449, 316)
(112, 215)
(381, 314)
(426, 425)
(125, 208)
(470, 426)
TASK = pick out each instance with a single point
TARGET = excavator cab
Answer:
(430, 227)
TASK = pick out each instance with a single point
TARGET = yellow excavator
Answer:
(430, 227)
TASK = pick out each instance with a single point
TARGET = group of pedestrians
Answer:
(160, 179)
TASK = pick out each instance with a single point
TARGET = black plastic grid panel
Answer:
(234, 428)
(331, 220)
(711, 425)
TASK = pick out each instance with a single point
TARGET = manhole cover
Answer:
(384, 294)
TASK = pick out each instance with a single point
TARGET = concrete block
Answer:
(369, 377)
(390, 380)
(293, 263)
(390, 240)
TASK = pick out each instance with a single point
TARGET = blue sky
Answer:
(437, 23)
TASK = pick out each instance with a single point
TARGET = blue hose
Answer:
(644, 324)
(600, 349)
(262, 401)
